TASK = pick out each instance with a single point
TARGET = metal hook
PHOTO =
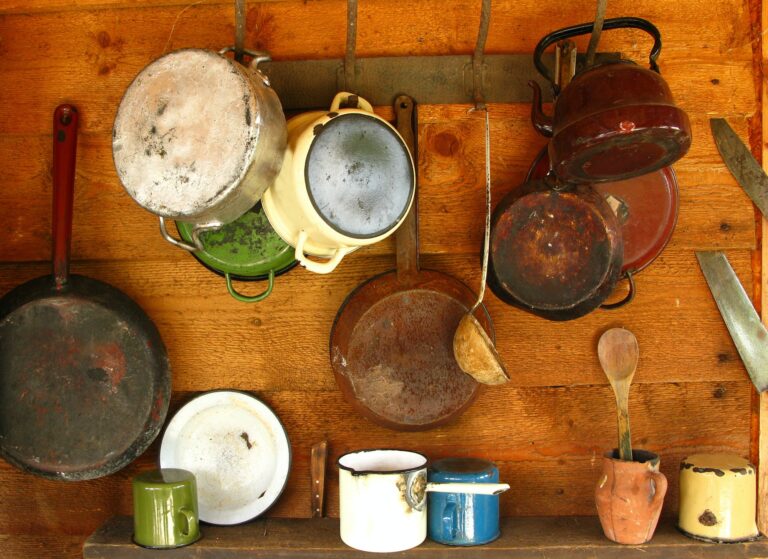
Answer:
(477, 58)
(349, 54)
(239, 30)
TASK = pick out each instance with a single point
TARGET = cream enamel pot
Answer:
(383, 497)
(198, 138)
(347, 181)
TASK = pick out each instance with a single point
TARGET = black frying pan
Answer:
(84, 374)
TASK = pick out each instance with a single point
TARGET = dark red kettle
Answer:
(613, 121)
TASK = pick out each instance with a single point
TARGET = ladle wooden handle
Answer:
(622, 416)
(65, 120)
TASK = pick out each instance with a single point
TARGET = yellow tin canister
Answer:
(717, 498)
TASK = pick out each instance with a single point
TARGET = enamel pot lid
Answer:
(646, 207)
(246, 249)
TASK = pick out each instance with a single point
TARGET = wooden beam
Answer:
(521, 538)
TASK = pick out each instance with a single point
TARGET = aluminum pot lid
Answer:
(646, 207)
(247, 248)
(359, 175)
(238, 450)
(186, 132)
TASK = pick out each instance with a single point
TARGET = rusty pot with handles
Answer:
(613, 121)
(555, 250)
(198, 138)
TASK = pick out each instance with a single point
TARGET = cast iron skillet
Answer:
(84, 374)
(392, 341)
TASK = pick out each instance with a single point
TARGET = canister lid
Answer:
(185, 132)
(718, 464)
(247, 248)
(462, 466)
(359, 175)
(164, 475)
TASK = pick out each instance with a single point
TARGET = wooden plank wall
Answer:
(548, 427)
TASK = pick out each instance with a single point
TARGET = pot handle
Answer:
(450, 519)
(584, 29)
(197, 244)
(473, 488)
(659, 481)
(625, 300)
(350, 99)
(257, 57)
(319, 267)
(254, 298)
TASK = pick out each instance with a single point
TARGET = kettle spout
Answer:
(541, 121)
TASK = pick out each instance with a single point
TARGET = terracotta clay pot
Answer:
(629, 496)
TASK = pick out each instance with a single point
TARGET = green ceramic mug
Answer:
(165, 509)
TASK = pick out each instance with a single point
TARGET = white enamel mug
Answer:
(383, 497)
(347, 181)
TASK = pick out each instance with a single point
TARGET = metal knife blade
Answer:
(747, 332)
(737, 157)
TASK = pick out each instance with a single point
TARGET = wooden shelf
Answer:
(522, 538)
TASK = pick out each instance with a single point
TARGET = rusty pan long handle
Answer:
(407, 235)
(65, 119)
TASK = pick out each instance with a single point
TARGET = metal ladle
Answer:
(472, 347)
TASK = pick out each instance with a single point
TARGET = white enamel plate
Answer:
(238, 450)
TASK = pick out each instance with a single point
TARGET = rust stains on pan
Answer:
(391, 344)
(84, 375)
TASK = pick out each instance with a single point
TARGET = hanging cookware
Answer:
(84, 375)
(198, 138)
(246, 249)
(646, 207)
(347, 181)
(613, 121)
(556, 249)
(391, 344)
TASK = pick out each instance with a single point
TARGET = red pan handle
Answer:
(65, 120)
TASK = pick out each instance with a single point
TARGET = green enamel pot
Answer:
(246, 249)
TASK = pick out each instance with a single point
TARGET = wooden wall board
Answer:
(550, 424)
(714, 212)
(547, 442)
(216, 341)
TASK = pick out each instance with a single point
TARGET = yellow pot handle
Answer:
(344, 96)
(319, 267)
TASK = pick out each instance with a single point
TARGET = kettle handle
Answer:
(585, 28)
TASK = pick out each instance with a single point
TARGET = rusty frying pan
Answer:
(392, 341)
(84, 374)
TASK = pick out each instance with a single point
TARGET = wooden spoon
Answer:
(473, 349)
(618, 353)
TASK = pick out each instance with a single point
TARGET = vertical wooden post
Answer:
(762, 479)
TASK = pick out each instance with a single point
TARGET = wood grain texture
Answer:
(282, 343)
(762, 472)
(547, 443)
(549, 425)
(521, 538)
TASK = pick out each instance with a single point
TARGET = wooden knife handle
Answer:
(317, 477)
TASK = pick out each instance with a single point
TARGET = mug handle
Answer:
(660, 482)
(362, 104)
(254, 298)
(318, 267)
(450, 520)
(585, 28)
(190, 517)
(473, 488)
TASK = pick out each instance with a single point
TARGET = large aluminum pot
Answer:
(383, 498)
(613, 121)
(347, 181)
(198, 138)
